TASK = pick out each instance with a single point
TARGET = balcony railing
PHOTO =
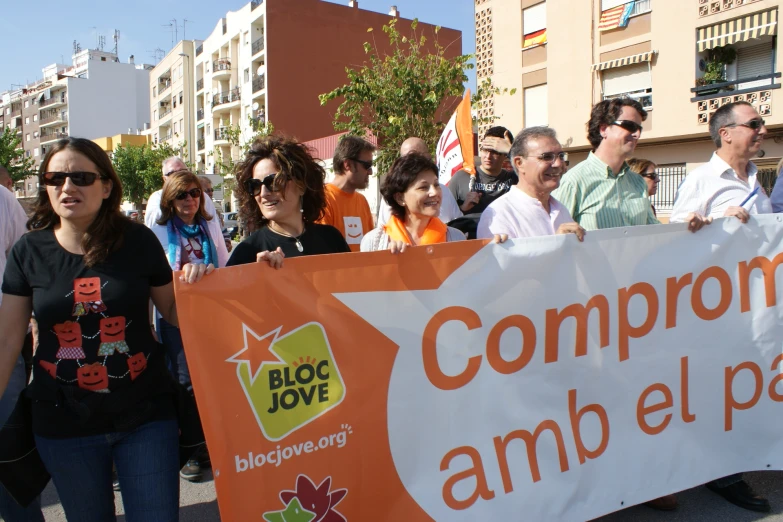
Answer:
(199, 114)
(221, 134)
(199, 84)
(51, 136)
(166, 136)
(200, 144)
(255, 3)
(258, 45)
(670, 177)
(52, 101)
(199, 49)
(226, 97)
(163, 86)
(49, 119)
(15, 113)
(718, 90)
(258, 83)
(224, 64)
(164, 113)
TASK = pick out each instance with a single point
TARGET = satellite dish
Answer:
(255, 106)
(260, 70)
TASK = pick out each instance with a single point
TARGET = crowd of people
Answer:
(111, 391)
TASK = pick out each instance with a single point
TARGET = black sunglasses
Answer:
(754, 124)
(193, 193)
(366, 164)
(80, 179)
(253, 185)
(630, 126)
(652, 176)
(210, 191)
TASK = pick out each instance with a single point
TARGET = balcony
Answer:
(52, 120)
(53, 136)
(164, 112)
(163, 86)
(221, 69)
(200, 143)
(199, 84)
(166, 137)
(764, 82)
(258, 45)
(255, 3)
(259, 83)
(54, 101)
(226, 100)
(199, 114)
(14, 114)
(221, 136)
(199, 49)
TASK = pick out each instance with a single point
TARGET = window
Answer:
(175, 126)
(29, 186)
(641, 7)
(180, 97)
(174, 104)
(752, 61)
(154, 92)
(179, 71)
(155, 115)
(670, 178)
(535, 100)
(35, 117)
(35, 152)
(633, 81)
(534, 25)
(181, 126)
(27, 120)
(247, 75)
(27, 137)
(26, 104)
(35, 135)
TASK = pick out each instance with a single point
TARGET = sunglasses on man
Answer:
(754, 124)
(366, 164)
(253, 185)
(80, 179)
(630, 126)
(193, 193)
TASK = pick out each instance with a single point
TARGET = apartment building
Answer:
(682, 59)
(272, 58)
(94, 96)
(172, 115)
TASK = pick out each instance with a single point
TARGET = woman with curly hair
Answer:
(281, 197)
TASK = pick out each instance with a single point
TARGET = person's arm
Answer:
(153, 209)
(15, 313)
(163, 299)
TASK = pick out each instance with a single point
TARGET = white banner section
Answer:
(564, 380)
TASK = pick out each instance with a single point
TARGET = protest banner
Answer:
(461, 382)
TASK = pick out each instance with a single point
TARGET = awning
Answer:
(738, 30)
(627, 60)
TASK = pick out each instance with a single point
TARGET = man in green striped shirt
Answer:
(602, 192)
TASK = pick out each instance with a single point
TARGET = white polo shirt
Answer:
(714, 187)
(13, 223)
(519, 215)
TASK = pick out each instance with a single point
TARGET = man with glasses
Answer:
(727, 185)
(346, 209)
(528, 209)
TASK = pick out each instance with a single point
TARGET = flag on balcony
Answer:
(537, 38)
(455, 146)
(616, 17)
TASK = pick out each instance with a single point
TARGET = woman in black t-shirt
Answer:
(101, 392)
(281, 196)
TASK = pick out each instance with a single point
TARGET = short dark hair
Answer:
(519, 147)
(401, 176)
(296, 165)
(4, 173)
(105, 233)
(498, 132)
(722, 117)
(349, 148)
(605, 113)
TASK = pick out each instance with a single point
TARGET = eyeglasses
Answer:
(754, 124)
(253, 185)
(210, 191)
(550, 157)
(630, 126)
(80, 179)
(366, 164)
(651, 175)
(193, 193)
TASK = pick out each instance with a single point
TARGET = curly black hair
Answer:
(401, 176)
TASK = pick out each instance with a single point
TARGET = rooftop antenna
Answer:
(176, 34)
(77, 47)
(116, 42)
(101, 42)
(171, 29)
(157, 54)
(185, 22)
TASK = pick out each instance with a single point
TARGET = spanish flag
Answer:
(537, 38)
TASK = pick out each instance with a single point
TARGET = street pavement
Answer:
(198, 504)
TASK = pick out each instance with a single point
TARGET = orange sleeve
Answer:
(328, 217)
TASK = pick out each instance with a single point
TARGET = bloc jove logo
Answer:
(289, 380)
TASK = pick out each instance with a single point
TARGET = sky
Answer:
(147, 25)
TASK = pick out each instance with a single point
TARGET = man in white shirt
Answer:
(449, 209)
(170, 166)
(528, 209)
(13, 223)
(727, 186)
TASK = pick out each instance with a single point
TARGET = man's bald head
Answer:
(416, 145)
(171, 165)
(5, 179)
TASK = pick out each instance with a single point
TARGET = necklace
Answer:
(282, 232)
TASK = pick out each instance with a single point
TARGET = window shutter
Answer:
(630, 78)
(536, 112)
(754, 61)
(608, 4)
(534, 18)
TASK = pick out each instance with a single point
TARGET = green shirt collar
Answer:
(604, 168)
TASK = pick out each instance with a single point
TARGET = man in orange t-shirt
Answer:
(346, 209)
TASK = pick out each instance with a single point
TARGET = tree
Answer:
(407, 91)
(12, 156)
(233, 134)
(140, 170)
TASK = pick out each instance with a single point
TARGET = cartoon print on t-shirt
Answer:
(50, 368)
(93, 377)
(137, 364)
(112, 336)
(69, 335)
(353, 230)
(87, 296)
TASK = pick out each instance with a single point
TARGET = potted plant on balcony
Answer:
(715, 68)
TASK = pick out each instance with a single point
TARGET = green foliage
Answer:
(399, 94)
(233, 134)
(485, 91)
(717, 60)
(12, 155)
(140, 170)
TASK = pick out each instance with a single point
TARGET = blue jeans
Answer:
(147, 461)
(171, 338)
(9, 509)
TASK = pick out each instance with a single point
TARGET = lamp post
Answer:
(188, 116)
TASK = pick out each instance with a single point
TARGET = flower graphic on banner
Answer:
(292, 513)
(316, 500)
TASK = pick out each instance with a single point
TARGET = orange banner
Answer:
(455, 146)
